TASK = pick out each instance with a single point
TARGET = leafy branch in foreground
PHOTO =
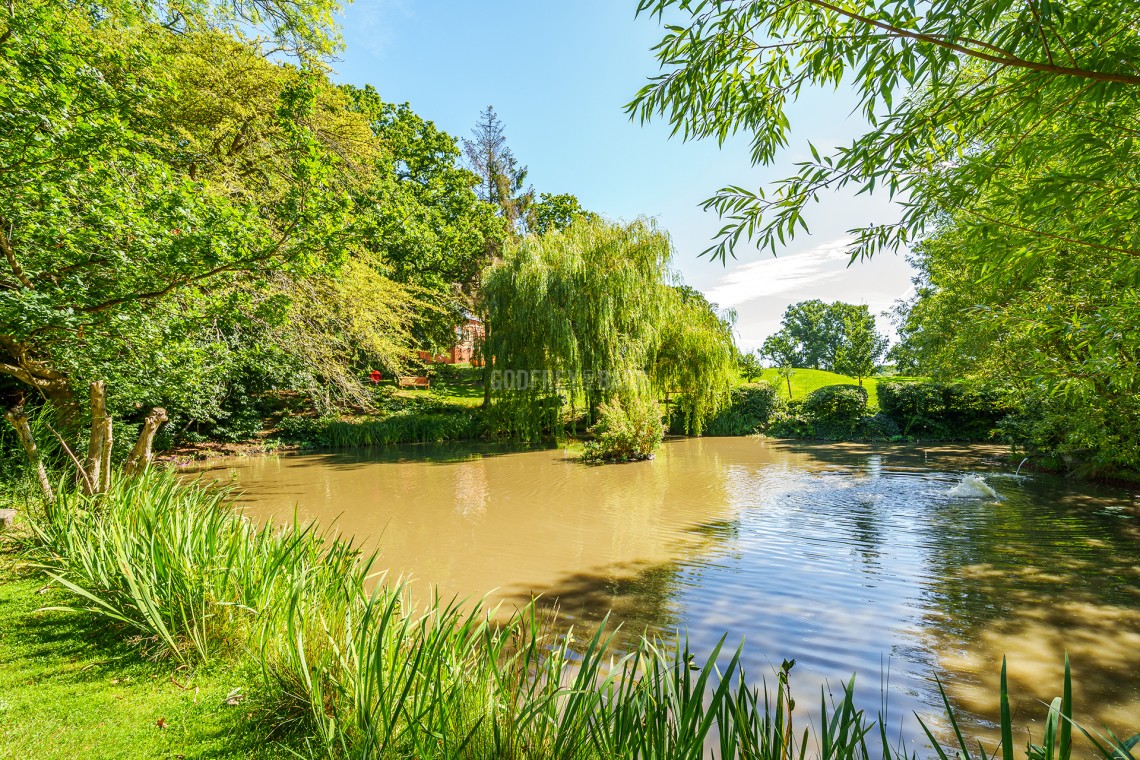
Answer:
(961, 98)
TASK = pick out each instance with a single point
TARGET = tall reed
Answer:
(175, 563)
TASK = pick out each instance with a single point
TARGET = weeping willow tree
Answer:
(587, 313)
(694, 358)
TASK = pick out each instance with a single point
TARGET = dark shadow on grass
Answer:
(82, 651)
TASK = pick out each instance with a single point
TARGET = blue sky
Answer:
(559, 74)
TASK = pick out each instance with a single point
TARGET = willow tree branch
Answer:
(1005, 59)
(1051, 235)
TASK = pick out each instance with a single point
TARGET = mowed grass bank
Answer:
(72, 687)
(804, 381)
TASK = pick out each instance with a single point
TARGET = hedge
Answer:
(949, 411)
(752, 407)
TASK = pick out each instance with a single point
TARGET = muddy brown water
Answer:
(849, 559)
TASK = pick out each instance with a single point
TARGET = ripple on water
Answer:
(849, 559)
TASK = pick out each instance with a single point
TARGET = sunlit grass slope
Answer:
(70, 688)
(804, 381)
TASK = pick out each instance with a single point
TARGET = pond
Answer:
(847, 558)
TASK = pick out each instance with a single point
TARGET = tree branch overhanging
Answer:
(1007, 59)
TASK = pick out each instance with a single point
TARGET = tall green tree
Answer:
(694, 357)
(1058, 338)
(749, 366)
(108, 207)
(816, 332)
(586, 314)
(555, 212)
(163, 195)
(502, 179)
(780, 349)
(423, 217)
(304, 28)
(862, 346)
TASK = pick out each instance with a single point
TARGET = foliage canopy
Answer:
(590, 311)
(939, 86)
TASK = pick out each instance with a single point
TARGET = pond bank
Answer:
(181, 604)
(70, 687)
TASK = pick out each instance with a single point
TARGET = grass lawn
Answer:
(459, 384)
(451, 384)
(804, 381)
(70, 688)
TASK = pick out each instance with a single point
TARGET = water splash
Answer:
(973, 487)
(1023, 461)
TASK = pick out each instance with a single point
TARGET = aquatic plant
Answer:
(629, 429)
(177, 566)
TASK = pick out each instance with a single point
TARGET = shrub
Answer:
(943, 410)
(835, 411)
(878, 427)
(750, 410)
(626, 432)
(409, 427)
(790, 423)
(1068, 432)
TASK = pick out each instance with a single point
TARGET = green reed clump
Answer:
(388, 682)
(357, 673)
(403, 427)
(176, 564)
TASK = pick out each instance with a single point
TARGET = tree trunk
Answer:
(19, 421)
(17, 360)
(105, 465)
(141, 455)
(94, 466)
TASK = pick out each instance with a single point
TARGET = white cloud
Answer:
(761, 290)
(785, 274)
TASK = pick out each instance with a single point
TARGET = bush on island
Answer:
(626, 431)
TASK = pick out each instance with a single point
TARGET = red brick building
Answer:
(467, 337)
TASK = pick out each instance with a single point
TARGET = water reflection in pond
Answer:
(846, 558)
